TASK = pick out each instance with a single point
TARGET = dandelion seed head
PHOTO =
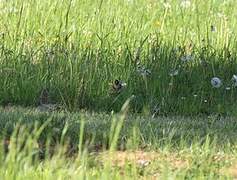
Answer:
(216, 82)
(133, 96)
(143, 71)
(234, 80)
(187, 58)
(152, 39)
(174, 72)
(9, 10)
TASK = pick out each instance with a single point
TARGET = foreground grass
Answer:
(97, 145)
(77, 48)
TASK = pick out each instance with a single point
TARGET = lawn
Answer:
(62, 145)
(112, 89)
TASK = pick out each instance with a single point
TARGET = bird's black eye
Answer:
(116, 82)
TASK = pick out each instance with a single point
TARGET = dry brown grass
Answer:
(148, 161)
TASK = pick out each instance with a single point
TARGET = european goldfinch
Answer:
(117, 86)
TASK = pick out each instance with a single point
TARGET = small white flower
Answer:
(185, 4)
(176, 49)
(220, 15)
(133, 96)
(234, 80)
(205, 101)
(216, 82)
(143, 163)
(187, 58)
(167, 5)
(195, 95)
(174, 72)
(123, 84)
(227, 88)
(143, 71)
(9, 10)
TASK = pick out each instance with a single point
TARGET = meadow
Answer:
(139, 89)
(166, 52)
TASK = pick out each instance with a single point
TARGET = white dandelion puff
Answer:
(220, 15)
(174, 72)
(216, 82)
(187, 58)
(143, 71)
(234, 80)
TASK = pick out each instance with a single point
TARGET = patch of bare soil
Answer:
(230, 171)
(151, 162)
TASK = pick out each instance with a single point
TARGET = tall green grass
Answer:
(76, 48)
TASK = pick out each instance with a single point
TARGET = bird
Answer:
(117, 86)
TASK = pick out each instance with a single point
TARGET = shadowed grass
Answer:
(98, 126)
(105, 147)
